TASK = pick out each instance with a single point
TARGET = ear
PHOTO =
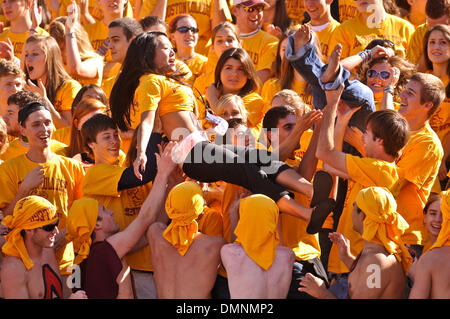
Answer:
(234, 10)
(269, 135)
(22, 130)
(428, 105)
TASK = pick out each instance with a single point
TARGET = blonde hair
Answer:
(292, 99)
(233, 99)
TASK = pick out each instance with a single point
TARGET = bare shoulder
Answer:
(286, 252)
(156, 230)
(232, 250)
(212, 240)
(434, 258)
(12, 266)
(14, 278)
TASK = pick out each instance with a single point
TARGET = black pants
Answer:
(253, 169)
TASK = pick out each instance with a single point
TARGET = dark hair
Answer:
(139, 60)
(29, 109)
(130, 26)
(273, 116)
(22, 98)
(242, 56)
(407, 69)
(392, 128)
(92, 127)
(281, 18)
(151, 21)
(79, 96)
(445, 29)
(437, 8)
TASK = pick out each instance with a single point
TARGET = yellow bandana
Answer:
(183, 205)
(256, 230)
(383, 225)
(444, 234)
(30, 212)
(81, 221)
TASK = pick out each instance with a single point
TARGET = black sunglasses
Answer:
(50, 227)
(186, 29)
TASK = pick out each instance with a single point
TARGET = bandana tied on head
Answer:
(383, 225)
(183, 205)
(30, 212)
(81, 221)
(257, 229)
(444, 234)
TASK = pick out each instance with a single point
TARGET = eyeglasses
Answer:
(258, 9)
(186, 29)
(373, 74)
(50, 227)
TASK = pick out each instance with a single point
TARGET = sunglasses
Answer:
(186, 29)
(253, 9)
(50, 227)
(373, 74)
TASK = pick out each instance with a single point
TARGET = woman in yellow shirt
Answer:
(184, 35)
(437, 57)
(79, 57)
(236, 74)
(149, 57)
(43, 64)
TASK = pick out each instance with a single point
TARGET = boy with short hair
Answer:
(11, 81)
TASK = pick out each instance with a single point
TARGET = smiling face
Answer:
(410, 106)
(35, 60)
(38, 129)
(233, 76)
(438, 48)
(164, 59)
(185, 38)
(316, 8)
(376, 83)
(433, 218)
(224, 39)
(106, 147)
(248, 19)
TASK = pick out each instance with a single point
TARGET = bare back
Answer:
(377, 275)
(190, 276)
(247, 280)
(42, 281)
(432, 278)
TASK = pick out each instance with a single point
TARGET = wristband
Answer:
(33, 30)
(389, 89)
(366, 55)
(70, 34)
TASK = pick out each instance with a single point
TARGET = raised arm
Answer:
(125, 240)
(326, 150)
(159, 9)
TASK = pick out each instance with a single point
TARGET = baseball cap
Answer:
(249, 3)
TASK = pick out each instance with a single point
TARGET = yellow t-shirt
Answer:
(18, 39)
(440, 121)
(262, 48)
(61, 186)
(98, 35)
(16, 148)
(295, 10)
(364, 172)
(256, 108)
(62, 135)
(197, 65)
(325, 38)
(415, 48)
(201, 10)
(273, 86)
(65, 95)
(162, 93)
(418, 165)
(347, 10)
(101, 183)
(355, 35)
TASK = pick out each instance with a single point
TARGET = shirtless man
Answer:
(105, 273)
(431, 279)
(257, 266)
(30, 270)
(379, 271)
(185, 261)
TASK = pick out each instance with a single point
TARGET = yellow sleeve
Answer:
(65, 95)
(256, 108)
(149, 93)
(8, 184)
(268, 54)
(415, 48)
(371, 172)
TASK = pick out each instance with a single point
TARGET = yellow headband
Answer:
(383, 225)
(444, 234)
(30, 212)
(257, 229)
(183, 205)
(81, 221)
